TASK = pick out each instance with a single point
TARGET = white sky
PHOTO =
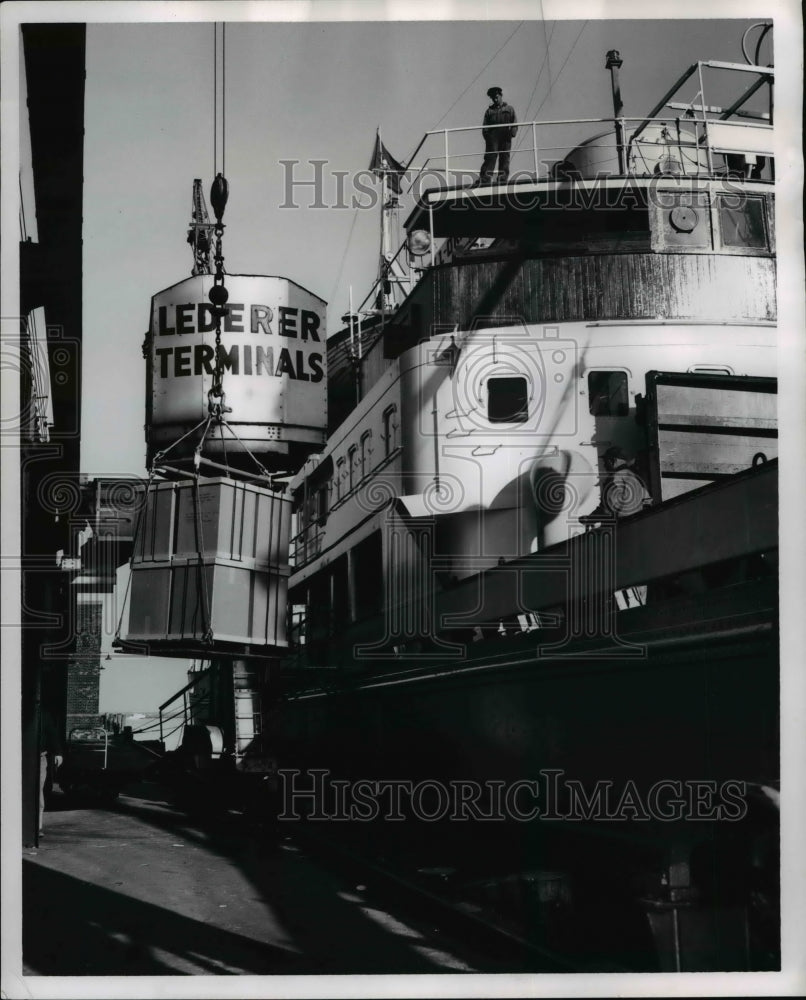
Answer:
(303, 91)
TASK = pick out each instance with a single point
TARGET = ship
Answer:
(540, 545)
(530, 563)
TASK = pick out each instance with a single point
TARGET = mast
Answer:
(389, 207)
(391, 277)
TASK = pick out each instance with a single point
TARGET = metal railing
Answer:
(695, 140)
(707, 136)
(189, 705)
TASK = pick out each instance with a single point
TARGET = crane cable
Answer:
(219, 193)
(223, 101)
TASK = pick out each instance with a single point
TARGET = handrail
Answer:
(627, 138)
(698, 138)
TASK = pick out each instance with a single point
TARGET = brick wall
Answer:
(84, 669)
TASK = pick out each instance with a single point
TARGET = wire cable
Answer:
(565, 61)
(344, 256)
(215, 97)
(224, 98)
(527, 116)
(482, 70)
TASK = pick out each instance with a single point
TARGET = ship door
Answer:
(619, 431)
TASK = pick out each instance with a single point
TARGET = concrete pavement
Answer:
(142, 889)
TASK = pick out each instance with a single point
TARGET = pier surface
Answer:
(143, 889)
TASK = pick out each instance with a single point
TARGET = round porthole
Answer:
(683, 219)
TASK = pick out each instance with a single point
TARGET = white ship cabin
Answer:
(506, 366)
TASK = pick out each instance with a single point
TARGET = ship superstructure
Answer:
(492, 405)
(542, 538)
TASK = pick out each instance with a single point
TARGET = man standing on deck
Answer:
(498, 141)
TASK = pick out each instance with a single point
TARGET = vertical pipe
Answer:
(431, 230)
(352, 328)
(355, 356)
(447, 182)
(614, 62)
(705, 120)
(534, 149)
(678, 964)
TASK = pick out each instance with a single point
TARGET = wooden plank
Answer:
(719, 288)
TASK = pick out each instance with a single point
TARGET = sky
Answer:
(304, 91)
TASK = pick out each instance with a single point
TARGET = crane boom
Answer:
(200, 233)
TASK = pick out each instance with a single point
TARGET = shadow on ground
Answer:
(73, 928)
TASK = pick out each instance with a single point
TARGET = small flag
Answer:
(384, 163)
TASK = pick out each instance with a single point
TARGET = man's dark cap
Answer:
(493, 91)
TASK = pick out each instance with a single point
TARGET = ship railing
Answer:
(365, 308)
(717, 130)
(305, 545)
(629, 147)
(693, 139)
(691, 145)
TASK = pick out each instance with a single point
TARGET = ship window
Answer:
(351, 464)
(339, 478)
(366, 451)
(389, 430)
(742, 225)
(607, 394)
(507, 400)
